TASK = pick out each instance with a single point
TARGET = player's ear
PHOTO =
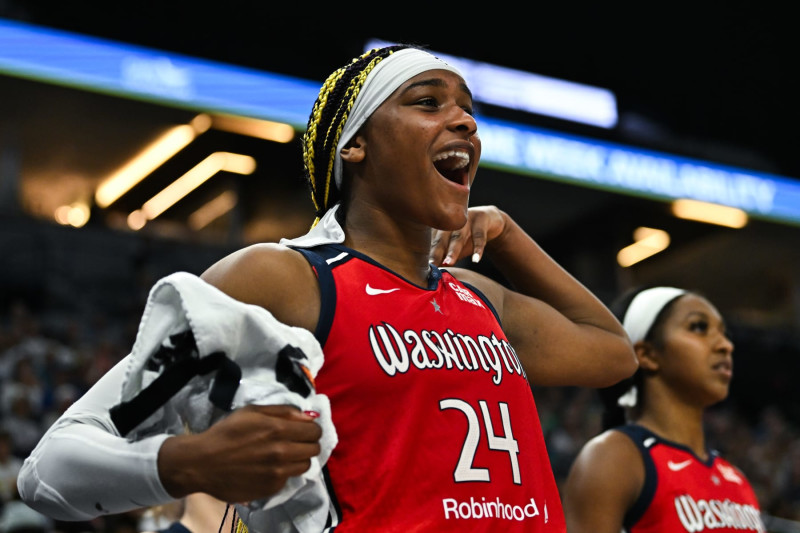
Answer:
(355, 150)
(647, 356)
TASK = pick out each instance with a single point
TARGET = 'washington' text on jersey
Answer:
(425, 349)
(715, 514)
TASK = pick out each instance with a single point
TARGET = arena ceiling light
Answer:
(212, 210)
(196, 176)
(709, 213)
(150, 158)
(647, 242)
(262, 129)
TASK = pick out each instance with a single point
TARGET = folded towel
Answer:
(199, 354)
(327, 231)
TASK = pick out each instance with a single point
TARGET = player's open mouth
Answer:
(453, 165)
(724, 367)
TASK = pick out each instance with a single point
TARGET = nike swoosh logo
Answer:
(678, 466)
(372, 292)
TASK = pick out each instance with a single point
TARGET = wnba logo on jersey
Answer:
(699, 515)
(426, 349)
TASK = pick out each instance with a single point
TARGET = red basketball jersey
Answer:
(683, 493)
(438, 430)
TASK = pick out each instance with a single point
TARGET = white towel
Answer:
(327, 231)
(251, 337)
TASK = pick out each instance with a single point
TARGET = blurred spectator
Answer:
(161, 517)
(577, 422)
(23, 382)
(788, 484)
(25, 341)
(196, 513)
(9, 468)
(23, 426)
(63, 396)
(17, 517)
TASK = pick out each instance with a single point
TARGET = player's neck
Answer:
(402, 249)
(685, 429)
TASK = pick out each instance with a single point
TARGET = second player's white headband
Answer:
(644, 309)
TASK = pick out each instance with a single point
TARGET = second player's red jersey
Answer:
(437, 425)
(682, 493)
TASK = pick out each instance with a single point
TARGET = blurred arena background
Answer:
(707, 88)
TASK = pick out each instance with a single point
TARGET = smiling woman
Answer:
(452, 165)
(444, 356)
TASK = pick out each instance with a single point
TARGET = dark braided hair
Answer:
(613, 413)
(326, 122)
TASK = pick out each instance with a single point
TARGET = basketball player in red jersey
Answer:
(656, 473)
(437, 426)
(428, 370)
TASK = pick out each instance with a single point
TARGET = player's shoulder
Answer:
(263, 274)
(596, 469)
(262, 250)
(611, 445)
(465, 275)
(254, 259)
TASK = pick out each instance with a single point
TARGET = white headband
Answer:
(644, 309)
(382, 81)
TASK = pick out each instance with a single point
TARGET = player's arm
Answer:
(83, 468)
(562, 333)
(250, 454)
(603, 483)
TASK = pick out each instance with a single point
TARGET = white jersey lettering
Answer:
(427, 349)
(477, 510)
(714, 514)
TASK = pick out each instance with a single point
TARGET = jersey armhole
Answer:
(643, 439)
(327, 289)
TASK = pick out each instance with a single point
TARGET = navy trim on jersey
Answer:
(325, 256)
(333, 519)
(318, 259)
(433, 278)
(639, 435)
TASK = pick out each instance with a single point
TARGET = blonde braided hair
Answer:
(328, 117)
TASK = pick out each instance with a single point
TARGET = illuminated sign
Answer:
(171, 79)
(533, 93)
(622, 168)
(136, 72)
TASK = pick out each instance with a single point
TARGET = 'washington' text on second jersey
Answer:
(683, 493)
(437, 426)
